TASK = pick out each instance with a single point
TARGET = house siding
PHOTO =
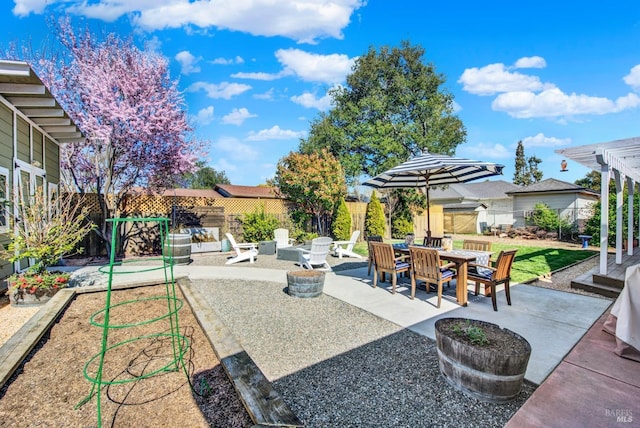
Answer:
(52, 164)
(24, 140)
(574, 206)
(38, 155)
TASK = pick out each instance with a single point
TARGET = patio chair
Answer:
(317, 255)
(370, 239)
(244, 251)
(385, 262)
(491, 276)
(281, 236)
(432, 241)
(474, 245)
(345, 248)
(426, 266)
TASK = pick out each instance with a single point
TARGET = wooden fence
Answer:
(224, 213)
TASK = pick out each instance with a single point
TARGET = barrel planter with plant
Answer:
(481, 359)
(305, 283)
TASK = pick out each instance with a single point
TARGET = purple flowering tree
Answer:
(122, 98)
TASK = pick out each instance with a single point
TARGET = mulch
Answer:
(50, 383)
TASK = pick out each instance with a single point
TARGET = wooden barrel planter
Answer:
(491, 372)
(178, 247)
(305, 283)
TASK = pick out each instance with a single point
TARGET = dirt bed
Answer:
(48, 385)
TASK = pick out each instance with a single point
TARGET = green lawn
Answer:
(530, 262)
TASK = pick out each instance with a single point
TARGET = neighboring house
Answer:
(233, 191)
(32, 127)
(567, 199)
(473, 207)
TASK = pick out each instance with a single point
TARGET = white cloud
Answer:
(223, 165)
(257, 76)
(25, 7)
(205, 115)
(633, 78)
(456, 107)
(540, 140)
(494, 78)
(265, 96)
(480, 151)
(275, 133)
(305, 21)
(224, 90)
(237, 116)
(225, 61)
(531, 62)
(188, 62)
(235, 149)
(329, 69)
(310, 100)
(554, 102)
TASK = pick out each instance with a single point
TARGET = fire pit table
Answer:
(291, 253)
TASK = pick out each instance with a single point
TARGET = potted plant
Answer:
(481, 359)
(305, 283)
(50, 227)
(35, 288)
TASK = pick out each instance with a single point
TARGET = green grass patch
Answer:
(533, 262)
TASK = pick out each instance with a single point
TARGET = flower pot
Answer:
(492, 372)
(35, 288)
(25, 299)
(305, 283)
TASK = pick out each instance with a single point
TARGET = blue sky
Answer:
(256, 72)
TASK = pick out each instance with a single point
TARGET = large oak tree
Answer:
(393, 107)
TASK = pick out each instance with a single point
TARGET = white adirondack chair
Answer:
(345, 248)
(245, 251)
(317, 255)
(281, 236)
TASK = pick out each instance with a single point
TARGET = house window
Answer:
(4, 200)
(53, 196)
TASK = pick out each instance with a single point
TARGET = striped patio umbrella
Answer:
(428, 170)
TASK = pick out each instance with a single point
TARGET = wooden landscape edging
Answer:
(263, 403)
(18, 347)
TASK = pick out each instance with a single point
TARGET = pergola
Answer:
(21, 87)
(622, 159)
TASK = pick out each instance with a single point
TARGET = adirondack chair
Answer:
(317, 255)
(245, 251)
(281, 236)
(345, 248)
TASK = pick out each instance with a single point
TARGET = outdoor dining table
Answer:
(461, 258)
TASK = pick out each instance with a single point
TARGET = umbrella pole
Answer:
(428, 215)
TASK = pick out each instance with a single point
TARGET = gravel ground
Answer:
(338, 366)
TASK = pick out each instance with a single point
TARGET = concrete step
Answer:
(608, 281)
(587, 284)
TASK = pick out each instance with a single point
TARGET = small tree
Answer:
(547, 219)
(341, 225)
(259, 225)
(526, 169)
(315, 182)
(374, 222)
(48, 228)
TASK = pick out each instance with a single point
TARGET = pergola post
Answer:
(604, 217)
(619, 179)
